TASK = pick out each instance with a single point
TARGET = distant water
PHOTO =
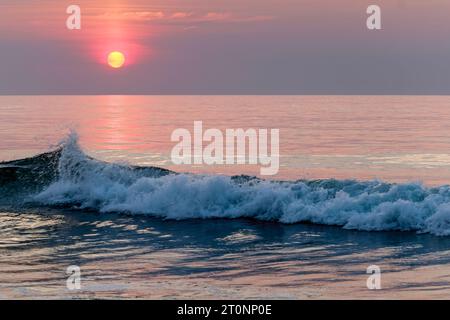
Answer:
(138, 228)
(390, 138)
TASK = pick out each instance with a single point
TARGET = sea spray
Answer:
(85, 183)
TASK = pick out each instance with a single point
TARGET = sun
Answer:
(116, 59)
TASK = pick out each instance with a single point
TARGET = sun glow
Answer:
(116, 59)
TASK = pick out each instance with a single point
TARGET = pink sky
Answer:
(225, 46)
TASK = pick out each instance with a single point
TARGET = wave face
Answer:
(69, 178)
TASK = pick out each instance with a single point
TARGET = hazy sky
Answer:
(225, 47)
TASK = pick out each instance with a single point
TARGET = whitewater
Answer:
(69, 178)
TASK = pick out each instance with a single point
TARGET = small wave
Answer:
(68, 177)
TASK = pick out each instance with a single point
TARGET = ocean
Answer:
(88, 181)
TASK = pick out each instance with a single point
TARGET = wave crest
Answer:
(79, 181)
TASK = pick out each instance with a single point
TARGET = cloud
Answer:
(229, 17)
(147, 15)
(180, 17)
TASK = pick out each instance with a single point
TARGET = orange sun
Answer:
(116, 59)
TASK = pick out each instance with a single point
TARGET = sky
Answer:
(225, 47)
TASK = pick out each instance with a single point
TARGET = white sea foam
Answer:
(372, 206)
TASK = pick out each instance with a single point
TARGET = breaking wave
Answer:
(69, 178)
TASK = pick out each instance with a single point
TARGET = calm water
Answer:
(132, 257)
(397, 139)
(390, 138)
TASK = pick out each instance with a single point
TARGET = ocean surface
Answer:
(87, 181)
